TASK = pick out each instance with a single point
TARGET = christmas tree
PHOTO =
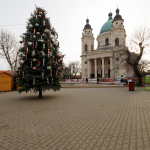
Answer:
(40, 59)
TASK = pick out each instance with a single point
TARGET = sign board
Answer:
(147, 79)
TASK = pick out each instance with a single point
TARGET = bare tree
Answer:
(139, 44)
(75, 67)
(9, 46)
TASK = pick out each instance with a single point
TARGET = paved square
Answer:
(76, 119)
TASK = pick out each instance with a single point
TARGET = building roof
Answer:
(107, 25)
(8, 72)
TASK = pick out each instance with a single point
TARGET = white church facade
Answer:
(102, 61)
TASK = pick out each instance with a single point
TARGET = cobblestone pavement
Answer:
(76, 119)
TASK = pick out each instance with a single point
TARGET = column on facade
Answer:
(103, 76)
(89, 68)
(111, 68)
(95, 67)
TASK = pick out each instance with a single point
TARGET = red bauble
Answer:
(26, 71)
(57, 55)
(39, 16)
(34, 68)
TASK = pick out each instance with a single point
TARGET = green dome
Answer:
(107, 26)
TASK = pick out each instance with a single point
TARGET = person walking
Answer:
(122, 82)
(86, 80)
(97, 80)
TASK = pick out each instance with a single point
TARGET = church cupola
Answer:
(110, 15)
(118, 16)
(87, 26)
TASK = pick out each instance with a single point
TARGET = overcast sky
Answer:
(68, 17)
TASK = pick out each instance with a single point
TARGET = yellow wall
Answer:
(6, 82)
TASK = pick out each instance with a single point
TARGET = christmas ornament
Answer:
(19, 71)
(34, 31)
(21, 62)
(33, 53)
(39, 63)
(48, 51)
(57, 55)
(30, 43)
(46, 31)
(31, 63)
(43, 54)
(57, 36)
(48, 67)
(40, 13)
(33, 81)
(56, 73)
(26, 71)
(39, 16)
(51, 72)
(34, 60)
(63, 68)
(42, 75)
(43, 46)
(47, 81)
(30, 26)
(36, 11)
(33, 45)
(34, 36)
(36, 45)
(34, 68)
(20, 41)
(38, 33)
(36, 24)
(36, 16)
(44, 61)
(44, 23)
(48, 43)
(52, 80)
(23, 74)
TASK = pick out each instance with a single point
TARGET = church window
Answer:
(116, 22)
(91, 47)
(85, 62)
(86, 48)
(116, 42)
(107, 41)
(117, 59)
(108, 62)
(89, 31)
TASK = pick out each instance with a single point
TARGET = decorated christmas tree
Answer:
(40, 59)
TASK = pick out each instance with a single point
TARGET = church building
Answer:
(103, 61)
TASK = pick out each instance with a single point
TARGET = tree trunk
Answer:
(40, 94)
(138, 75)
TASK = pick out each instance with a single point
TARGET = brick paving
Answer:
(76, 119)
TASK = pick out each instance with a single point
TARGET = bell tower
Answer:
(118, 35)
(87, 39)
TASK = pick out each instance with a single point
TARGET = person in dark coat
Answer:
(97, 80)
(86, 80)
(122, 82)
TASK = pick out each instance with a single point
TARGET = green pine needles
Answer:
(40, 60)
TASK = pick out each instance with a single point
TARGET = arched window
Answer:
(107, 41)
(86, 48)
(116, 42)
(91, 47)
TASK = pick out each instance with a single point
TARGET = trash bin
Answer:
(131, 86)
